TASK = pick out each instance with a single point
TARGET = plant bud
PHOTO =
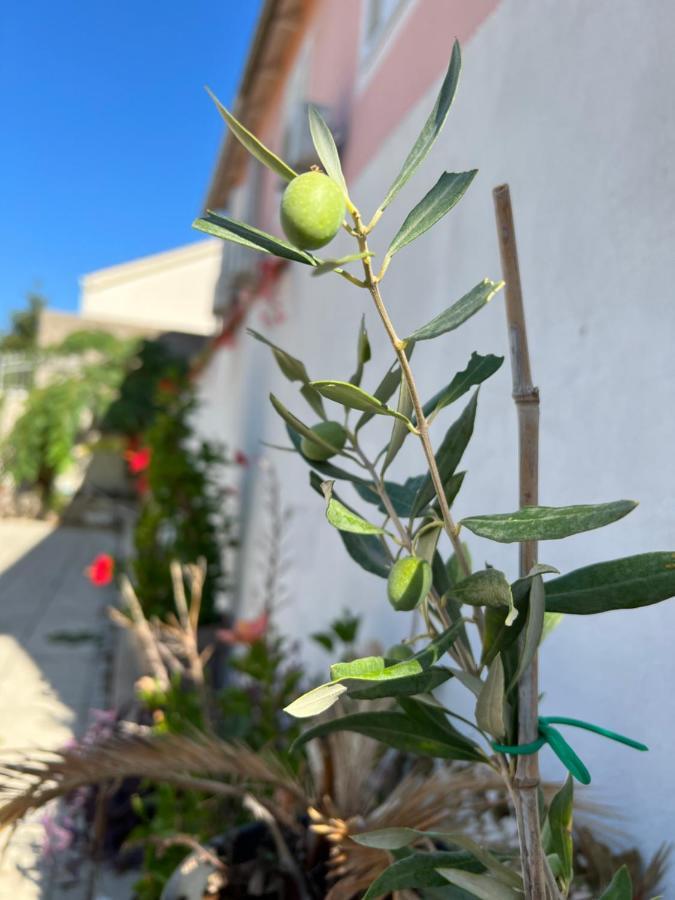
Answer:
(409, 582)
(312, 210)
(332, 432)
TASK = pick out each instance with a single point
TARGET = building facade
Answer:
(571, 104)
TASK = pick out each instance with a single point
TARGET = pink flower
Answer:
(244, 631)
(138, 460)
(101, 570)
(241, 459)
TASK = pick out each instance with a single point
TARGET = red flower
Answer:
(241, 459)
(101, 570)
(244, 631)
(138, 460)
(167, 385)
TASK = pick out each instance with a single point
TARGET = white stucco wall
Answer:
(171, 291)
(571, 103)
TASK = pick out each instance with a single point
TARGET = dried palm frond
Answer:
(596, 863)
(176, 759)
(446, 798)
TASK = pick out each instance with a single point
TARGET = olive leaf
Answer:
(354, 397)
(343, 676)
(446, 193)
(620, 887)
(398, 730)
(534, 627)
(418, 870)
(240, 233)
(478, 369)
(482, 887)
(294, 369)
(432, 127)
(626, 583)
(467, 306)
(546, 523)
(490, 702)
(363, 353)
(488, 587)
(393, 839)
(254, 146)
(400, 430)
(449, 453)
(300, 427)
(558, 828)
(344, 519)
(327, 152)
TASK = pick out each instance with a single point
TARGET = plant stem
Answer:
(525, 782)
(399, 348)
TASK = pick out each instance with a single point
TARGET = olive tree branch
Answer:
(372, 283)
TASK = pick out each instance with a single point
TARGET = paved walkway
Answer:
(52, 671)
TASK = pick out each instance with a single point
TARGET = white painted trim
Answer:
(148, 265)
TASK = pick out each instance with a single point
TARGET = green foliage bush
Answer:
(138, 400)
(184, 513)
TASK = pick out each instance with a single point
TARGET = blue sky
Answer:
(108, 138)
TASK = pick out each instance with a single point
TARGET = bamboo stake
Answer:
(526, 397)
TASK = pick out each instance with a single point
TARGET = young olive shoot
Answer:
(478, 629)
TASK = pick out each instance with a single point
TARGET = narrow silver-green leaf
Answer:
(232, 230)
(400, 430)
(363, 353)
(299, 426)
(490, 703)
(450, 452)
(354, 397)
(392, 839)
(620, 887)
(344, 519)
(367, 669)
(478, 369)
(316, 701)
(626, 583)
(294, 369)
(547, 523)
(402, 686)
(402, 496)
(254, 146)
(326, 149)
(559, 828)
(432, 127)
(487, 587)
(373, 668)
(446, 193)
(368, 552)
(459, 312)
(396, 729)
(418, 870)
(483, 887)
(534, 627)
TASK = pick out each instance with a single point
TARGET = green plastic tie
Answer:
(557, 743)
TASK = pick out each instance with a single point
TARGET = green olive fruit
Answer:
(312, 210)
(331, 432)
(409, 582)
(399, 652)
